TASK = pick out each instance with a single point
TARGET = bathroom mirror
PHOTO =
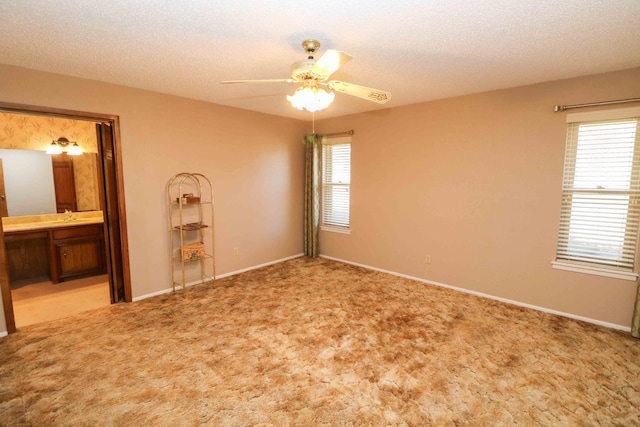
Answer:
(29, 183)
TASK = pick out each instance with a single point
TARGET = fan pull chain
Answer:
(313, 122)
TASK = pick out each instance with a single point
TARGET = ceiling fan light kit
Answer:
(313, 74)
(311, 99)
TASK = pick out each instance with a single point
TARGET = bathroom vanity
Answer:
(55, 246)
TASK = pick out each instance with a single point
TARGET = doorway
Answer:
(111, 188)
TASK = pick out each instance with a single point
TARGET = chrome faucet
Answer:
(68, 215)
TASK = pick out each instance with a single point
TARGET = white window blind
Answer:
(600, 213)
(336, 181)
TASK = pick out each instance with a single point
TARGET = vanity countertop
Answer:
(39, 222)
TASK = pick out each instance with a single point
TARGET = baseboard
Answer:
(3, 334)
(483, 295)
(153, 294)
(220, 276)
(165, 291)
(233, 273)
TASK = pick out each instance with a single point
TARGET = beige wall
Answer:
(474, 182)
(255, 162)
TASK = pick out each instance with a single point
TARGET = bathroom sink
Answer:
(73, 221)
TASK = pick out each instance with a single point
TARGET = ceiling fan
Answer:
(313, 74)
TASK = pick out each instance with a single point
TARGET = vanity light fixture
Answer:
(57, 145)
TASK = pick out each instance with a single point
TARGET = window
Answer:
(600, 213)
(336, 181)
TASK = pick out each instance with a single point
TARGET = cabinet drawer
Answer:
(19, 236)
(78, 231)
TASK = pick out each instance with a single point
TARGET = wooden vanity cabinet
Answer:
(57, 252)
(77, 251)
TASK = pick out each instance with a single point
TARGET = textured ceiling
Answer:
(419, 50)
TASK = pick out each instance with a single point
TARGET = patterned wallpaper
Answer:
(28, 132)
(85, 174)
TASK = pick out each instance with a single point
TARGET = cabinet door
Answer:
(80, 257)
(27, 255)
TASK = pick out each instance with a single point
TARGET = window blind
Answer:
(600, 213)
(336, 181)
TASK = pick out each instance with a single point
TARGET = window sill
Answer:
(332, 229)
(597, 271)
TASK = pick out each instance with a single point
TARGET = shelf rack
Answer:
(190, 198)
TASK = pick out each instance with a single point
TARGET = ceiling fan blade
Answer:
(375, 95)
(258, 81)
(328, 63)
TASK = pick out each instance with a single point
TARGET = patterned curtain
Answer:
(635, 323)
(311, 195)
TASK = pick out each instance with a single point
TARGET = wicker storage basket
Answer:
(193, 251)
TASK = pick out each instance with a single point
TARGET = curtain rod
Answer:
(347, 132)
(557, 108)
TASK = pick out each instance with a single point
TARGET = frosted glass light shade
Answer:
(310, 98)
(54, 148)
(74, 150)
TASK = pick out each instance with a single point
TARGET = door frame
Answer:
(120, 254)
(3, 199)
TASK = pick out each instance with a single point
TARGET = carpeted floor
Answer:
(317, 342)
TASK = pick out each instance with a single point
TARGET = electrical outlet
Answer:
(428, 259)
(236, 252)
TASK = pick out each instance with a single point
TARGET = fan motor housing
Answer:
(301, 71)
